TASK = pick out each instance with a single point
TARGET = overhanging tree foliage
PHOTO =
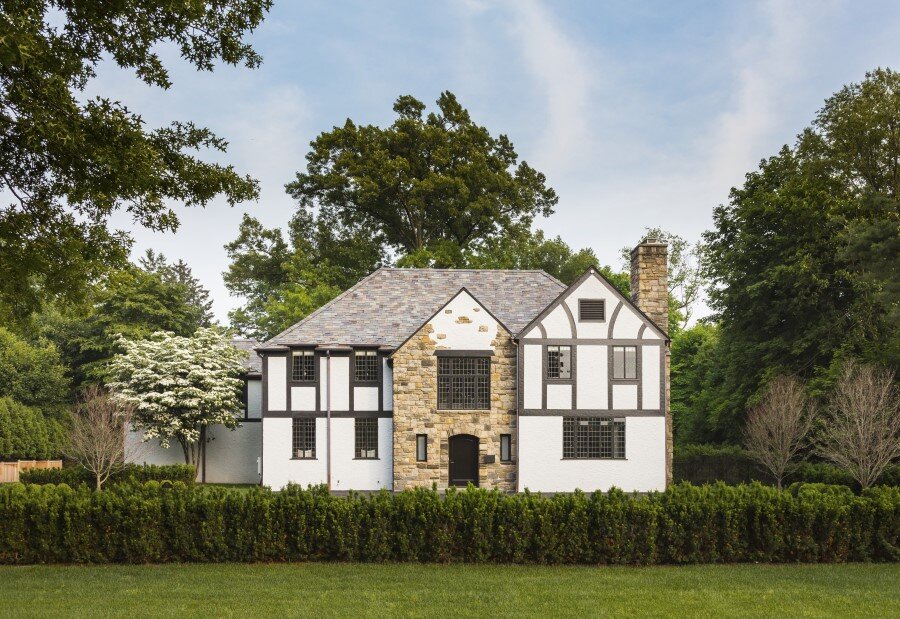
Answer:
(180, 385)
(68, 162)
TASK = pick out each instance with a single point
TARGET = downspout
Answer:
(328, 420)
(518, 421)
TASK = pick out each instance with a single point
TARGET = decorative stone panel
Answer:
(416, 412)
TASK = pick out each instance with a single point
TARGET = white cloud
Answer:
(563, 79)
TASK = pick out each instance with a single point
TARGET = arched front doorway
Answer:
(463, 460)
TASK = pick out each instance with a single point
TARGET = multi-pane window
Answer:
(624, 362)
(421, 447)
(505, 447)
(591, 310)
(593, 437)
(366, 364)
(464, 383)
(303, 367)
(559, 362)
(366, 438)
(304, 438)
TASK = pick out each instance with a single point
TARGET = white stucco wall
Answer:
(625, 397)
(277, 382)
(365, 398)
(628, 323)
(651, 371)
(592, 288)
(463, 324)
(231, 455)
(303, 398)
(559, 396)
(533, 375)
(591, 372)
(254, 398)
(542, 469)
(387, 376)
(347, 473)
(556, 324)
(340, 382)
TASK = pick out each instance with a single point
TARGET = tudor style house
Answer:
(502, 379)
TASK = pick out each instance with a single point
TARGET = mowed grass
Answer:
(332, 589)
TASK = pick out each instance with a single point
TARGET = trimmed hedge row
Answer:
(131, 473)
(156, 522)
(705, 464)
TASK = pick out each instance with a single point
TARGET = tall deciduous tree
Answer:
(179, 386)
(778, 427)
(862, 431)
(795, 283)
(428, 186)
(69, 161)
(180, 273)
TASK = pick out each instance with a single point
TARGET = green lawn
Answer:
(328, 589)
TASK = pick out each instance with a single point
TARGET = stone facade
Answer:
(650, 292)
(416, 412)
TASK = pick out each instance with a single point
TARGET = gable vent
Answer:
(591, 310)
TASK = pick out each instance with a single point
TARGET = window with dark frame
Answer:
(506, 448)
(624, 362)
(464, 383)
(421, 447)
(366, 439)
(304, 438)
(559, 362)
(593, 438)
(365, 363)
(303, 367)
(591, 310)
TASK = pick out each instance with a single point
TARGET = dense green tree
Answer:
(69, 161)
(131, 302)
(696, 372)
(428, 187)
(26, 433)
(802, 259)
(180, 273)
(33, 373)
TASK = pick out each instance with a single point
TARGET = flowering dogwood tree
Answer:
(180, 385)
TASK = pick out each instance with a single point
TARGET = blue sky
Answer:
(640, 114)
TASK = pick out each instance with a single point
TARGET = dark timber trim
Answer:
(584, 412)
(464, 353)
(612, 320)
(334, 414)
(592, 272)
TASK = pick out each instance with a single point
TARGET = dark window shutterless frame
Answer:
(559, 362)
(304, 438)
(624, 362)
(365, 366)
(366, 447)
(593, 438)
(303, 366)
(506, 448)
(464, 383)
(421, 447)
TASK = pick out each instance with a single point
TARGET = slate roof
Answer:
(253, 362)
(389, 305)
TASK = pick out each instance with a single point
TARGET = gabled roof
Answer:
(389, 305)
(253, 362)
(591, 272)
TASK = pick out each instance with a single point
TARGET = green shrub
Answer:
(163, 522)
(132, 473)
(27, 434)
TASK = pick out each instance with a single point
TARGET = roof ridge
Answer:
(465, 269)
(319, 310)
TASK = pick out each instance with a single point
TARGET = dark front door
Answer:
(463, 460)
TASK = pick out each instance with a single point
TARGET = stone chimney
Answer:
(650, 292)
(649, 281)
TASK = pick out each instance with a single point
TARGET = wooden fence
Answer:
(9, 471)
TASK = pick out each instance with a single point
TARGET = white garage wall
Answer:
(365, 398)
(277, 385)
(340, 382)
(303, 398)
(542, 469)
(278, 467)
(348, 473)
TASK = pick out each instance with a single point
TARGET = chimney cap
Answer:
(653, 240)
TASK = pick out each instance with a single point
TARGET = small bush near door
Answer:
(141, 523)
